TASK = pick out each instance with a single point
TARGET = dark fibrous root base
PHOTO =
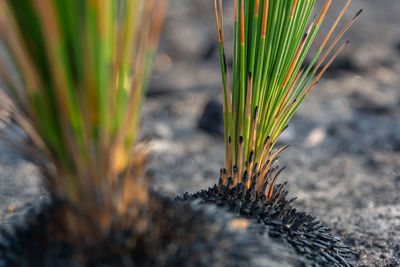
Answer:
(301, 231)
(177, 234)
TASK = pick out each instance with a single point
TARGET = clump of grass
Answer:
(271, 41)
(76, 73)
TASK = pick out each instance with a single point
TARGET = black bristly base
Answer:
(299, 230)
(178, 234)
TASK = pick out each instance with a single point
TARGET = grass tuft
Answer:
(76, 72)
(271, 41)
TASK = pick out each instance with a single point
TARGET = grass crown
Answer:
(271, 41)
(76, 72)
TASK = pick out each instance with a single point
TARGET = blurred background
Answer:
(344, 161)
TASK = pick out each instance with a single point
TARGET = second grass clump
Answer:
(271, 42)
(272, 39)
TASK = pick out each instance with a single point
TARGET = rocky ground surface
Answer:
(344, 162)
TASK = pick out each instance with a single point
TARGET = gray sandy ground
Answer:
(344, 162)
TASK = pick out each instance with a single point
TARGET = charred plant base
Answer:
(283, 222)
(177, 234)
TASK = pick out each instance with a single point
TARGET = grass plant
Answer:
(76, 73)
(271, 41)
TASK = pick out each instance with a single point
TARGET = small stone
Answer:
(315, 137)
(239, 224)
(212, 120)
(12, 207)
(161, 130)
